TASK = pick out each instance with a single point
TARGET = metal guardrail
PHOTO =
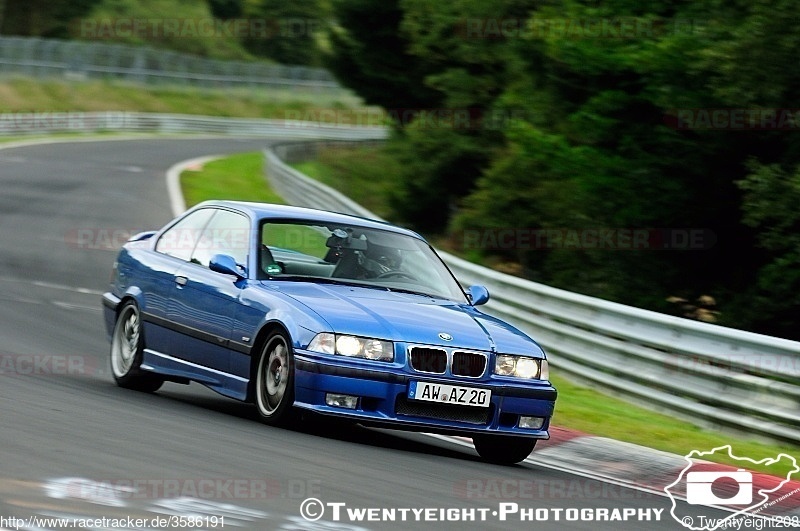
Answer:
(710, 374)
(140, 122)
(81, 60)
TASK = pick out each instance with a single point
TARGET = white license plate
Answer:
(449, 394)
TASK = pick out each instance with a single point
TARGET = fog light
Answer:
(531, 423)
(345, 401)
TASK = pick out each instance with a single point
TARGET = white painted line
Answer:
(76, 289)
(67, 140)
(131, 169)
(71, 306)
(51, 285)
(103, 138)
(20, 300)
(176, 201)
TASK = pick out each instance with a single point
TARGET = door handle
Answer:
(181, 281)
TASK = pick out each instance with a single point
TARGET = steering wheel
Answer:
(399, 274)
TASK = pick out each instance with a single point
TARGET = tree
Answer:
(771, 197)
(42, 18)
(291, 30)
(369, 53)
(417, 56)
(606, 150)
(608, 107)
(438, 165)
(226, 9)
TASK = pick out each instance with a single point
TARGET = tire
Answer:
(274, 389)
(127, 350)
(503, 449)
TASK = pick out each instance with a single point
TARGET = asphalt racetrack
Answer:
(74, 445)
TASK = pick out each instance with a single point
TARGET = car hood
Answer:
(406, 317)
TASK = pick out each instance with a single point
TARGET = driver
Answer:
(382, 259)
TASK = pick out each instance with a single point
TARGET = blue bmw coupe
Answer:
(289, 308)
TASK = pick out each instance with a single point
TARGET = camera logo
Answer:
(702, 488)
(733, 489)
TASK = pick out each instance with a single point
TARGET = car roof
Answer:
(265, 211)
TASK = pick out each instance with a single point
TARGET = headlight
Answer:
(521, 367)
(352, 346)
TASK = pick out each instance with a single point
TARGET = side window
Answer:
(227, 233)
(180, 240)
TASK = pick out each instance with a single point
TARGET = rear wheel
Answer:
(127, 350)
(503, 449)
(275, 380)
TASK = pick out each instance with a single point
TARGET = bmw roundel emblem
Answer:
(445, 336)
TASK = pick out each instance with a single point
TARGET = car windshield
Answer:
(352, 254)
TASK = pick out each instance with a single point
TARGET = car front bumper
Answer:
(383, 399)
(110, 304)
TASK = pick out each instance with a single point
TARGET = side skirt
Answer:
(223, 383)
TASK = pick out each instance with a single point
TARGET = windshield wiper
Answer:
(414, 292)
(322, 280)
(350, 282)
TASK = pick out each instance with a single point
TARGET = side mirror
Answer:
(225, 264)
(478, 295)
(142, 236)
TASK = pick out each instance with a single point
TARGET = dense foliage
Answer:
(291, 30)
(518, 118)
(286, 32)
(42, 18)
(643, 115)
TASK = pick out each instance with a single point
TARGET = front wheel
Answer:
(503, 449)
(275, 380)
(127, 350)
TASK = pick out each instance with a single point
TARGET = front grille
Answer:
(426, 359)
(469, 364)
(449, 412)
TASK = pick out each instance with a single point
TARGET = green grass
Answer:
(584, 409)
(578, 407)
(352, 171)
(22, 95)
(238, 177)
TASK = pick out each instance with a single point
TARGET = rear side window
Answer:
(180, 239)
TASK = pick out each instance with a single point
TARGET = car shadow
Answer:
(317, 425)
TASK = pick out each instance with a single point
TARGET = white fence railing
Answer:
(91, 59)
(714, 375)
